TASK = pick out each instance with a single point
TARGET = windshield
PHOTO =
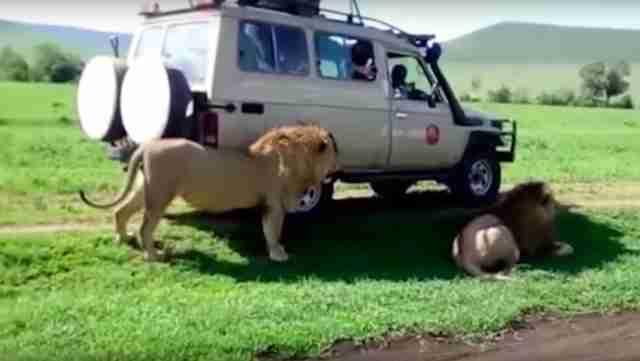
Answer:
(184, 47)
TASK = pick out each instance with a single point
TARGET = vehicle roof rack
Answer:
(151, 9)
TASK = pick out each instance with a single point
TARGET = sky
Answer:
(445, 18)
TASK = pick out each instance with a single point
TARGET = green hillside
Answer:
(85, 43)
(538, 44)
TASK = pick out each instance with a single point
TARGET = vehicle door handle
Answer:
(253, 108)
(401, 115)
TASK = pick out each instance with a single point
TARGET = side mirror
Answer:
(431, 101)
(115, 44)
(433, 53)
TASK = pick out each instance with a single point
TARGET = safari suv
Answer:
(222, 74)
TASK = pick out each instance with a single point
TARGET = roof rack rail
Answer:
(151, 8)
(418, 40)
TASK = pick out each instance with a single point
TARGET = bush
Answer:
(500, 95)
(562, 97)
(13, 66)
(468, 98)
(624, 102)
(52, 64)
(521, 96)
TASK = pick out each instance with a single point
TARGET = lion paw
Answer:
(278, 254)
(563, 249)
(129, 239)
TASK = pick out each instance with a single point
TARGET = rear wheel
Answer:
(314, 200)
(477, 180)
(390, 189)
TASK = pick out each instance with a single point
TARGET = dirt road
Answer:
(585, 338)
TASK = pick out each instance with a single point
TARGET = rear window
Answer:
(184, 47)
(150, 41)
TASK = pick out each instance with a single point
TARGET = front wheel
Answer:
(477, 180)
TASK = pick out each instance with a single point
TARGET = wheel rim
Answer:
(480, 178)
(309, 200)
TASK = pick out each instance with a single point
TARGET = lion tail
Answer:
(134, 164)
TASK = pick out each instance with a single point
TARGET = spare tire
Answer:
(98, 98)
(155, 101)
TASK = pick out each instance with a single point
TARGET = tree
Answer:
(600, 81)
(476, 84)
(53, 64)
(13, 66)
(594, 80)
(616, 84)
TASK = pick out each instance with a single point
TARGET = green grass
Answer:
(45, 159)
(77, 297)
(373, 268)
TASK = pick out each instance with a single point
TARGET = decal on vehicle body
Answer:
(432, 135)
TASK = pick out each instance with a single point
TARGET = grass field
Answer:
(371, 269)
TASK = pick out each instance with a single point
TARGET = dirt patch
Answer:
(589, 337)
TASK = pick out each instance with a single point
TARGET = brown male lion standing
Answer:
(272, 175)
(520, 224)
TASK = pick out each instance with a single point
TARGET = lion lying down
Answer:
(520, 224)
(272, 175)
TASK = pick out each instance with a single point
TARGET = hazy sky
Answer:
(445, 18)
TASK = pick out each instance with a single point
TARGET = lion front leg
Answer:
(272, 222)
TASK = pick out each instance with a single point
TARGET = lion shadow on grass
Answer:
(373, 238)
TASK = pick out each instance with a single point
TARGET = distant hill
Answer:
(85, 43)
(511, 42)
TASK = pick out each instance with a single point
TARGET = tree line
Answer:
(50, 64)
(602, 85)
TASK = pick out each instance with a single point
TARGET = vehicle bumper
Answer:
(507, 153)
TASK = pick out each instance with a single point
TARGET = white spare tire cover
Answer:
(98, 98)
(154, 101)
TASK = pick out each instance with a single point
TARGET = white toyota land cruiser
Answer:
(222, 74)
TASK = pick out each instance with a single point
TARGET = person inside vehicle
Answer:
(362, 60)
(399, 81)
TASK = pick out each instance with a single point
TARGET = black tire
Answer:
(155, 101)
(391, 189)
(98, 98)
(477, 180)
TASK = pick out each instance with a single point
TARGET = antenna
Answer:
(354, 3)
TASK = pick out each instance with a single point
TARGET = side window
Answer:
(256, 47)
(291, 46)
(150, 41)
(273, 49)
(408, 77)
(345, 58)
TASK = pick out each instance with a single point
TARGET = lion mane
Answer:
(521, 224)
(271, 175)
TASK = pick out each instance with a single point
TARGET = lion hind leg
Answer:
(124, 212)
(272, 222)
(155, 205)
(562, 249)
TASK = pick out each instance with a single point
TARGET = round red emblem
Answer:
(432, 135)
